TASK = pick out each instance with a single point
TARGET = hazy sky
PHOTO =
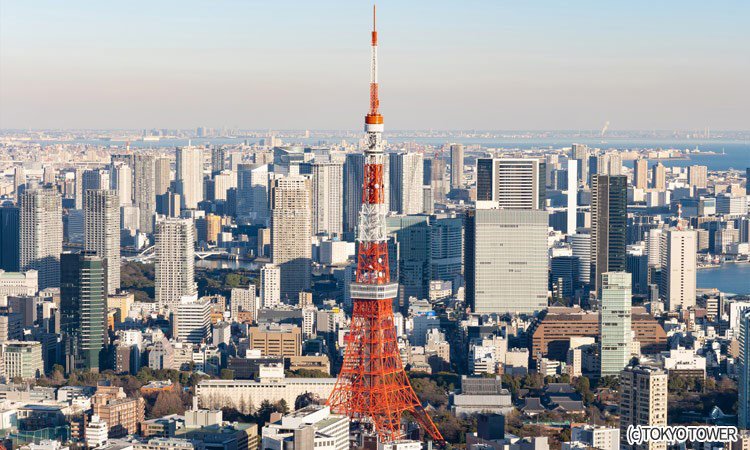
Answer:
(457, 64)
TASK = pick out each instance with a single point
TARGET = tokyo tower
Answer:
(372, 387)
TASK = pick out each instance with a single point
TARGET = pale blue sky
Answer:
(444, 64)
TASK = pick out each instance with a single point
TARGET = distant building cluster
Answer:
(230, 267)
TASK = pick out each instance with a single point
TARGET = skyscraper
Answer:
(122, 182)
(510, 183)
(102, 232)
(327, 201)
(446, 249)
(643, 401)
(659, 177)
(83, 309)
(581, 245)
(354, 167)
(615, 333)
(457, 166)
(678, 255)
(406, 171)
(41, 234)
(252, 193)
(580, 153)
(290, 233)
(270, 286)
(564, 278)
(572, 210)
(640, 174)
(144, 192)
(413, 236)
(79, 188)
(609, 210)
(698, 176)
(162, 175)
(505, 261)
(218, 155)
(9, 238)
(175, 262)
(189, 178)
(96, 179)
(19, 180)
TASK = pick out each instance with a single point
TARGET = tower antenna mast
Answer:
(373, 388)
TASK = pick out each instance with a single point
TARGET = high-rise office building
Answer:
(678, 260)
(572, 197)
(510, 183)
(580, 153)
(49, 175)
(218, 155)
(19, 180)
(122, 182)
(743, 364)
(144, 192)
(405, 172)
(653, 246)
(505, 261)
(659, 177)
(354, 168)
(41, 234)
(270, 286)
(640, 174)
(189, 177)
(9, 238)
(290, 233)
(168, 204)
(609, 210)
(698, 176)
(643, 401)
(564, 277)
(216, 188)
(446, 249)
(614, 163)
(78, 188)
(102, 232)
(615, 332)
(83, 309)
(175, 262)
(252, 193)
(327, 201)
(457, 166)
(96, 179)
(581, 245)
(412, 234)
(162, 175)
(440, 186)
(193, 319)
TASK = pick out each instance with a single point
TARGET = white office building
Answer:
(175, 262)
(193, 319)
(189, 177)
(327, 202)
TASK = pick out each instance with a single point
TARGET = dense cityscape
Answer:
(220, 288)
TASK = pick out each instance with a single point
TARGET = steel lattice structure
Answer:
(372, 386)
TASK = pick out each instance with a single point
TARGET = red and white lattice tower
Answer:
(372, 387)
